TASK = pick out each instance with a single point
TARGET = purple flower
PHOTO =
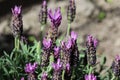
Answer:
(56, 51)
(55, 18)
(44, 76)
(74, 35)
(30, 68)
(92, 40)
(16, 10)
(117, 58)
(90, 77)
(57, 66)
(22, 78)
(47, 43)
(68, 67)
(44, 3)
(69, 44)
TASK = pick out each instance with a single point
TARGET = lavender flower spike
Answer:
(92, 41)
(16, 10)
(16, 22)
(91, 44)
(30, 68)
(116, 66)
(90, 77)
(46, 43)
(55, 18)
(43, 13)
(57, 66)
(44, 76)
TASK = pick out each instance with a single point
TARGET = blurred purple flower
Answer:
(74, 35)
(16, 10)
(44, 3)
(92, 40)
(57, 66)
(117, 58)
(44, 76)
(47, 43)
(56, 51)
(31, 68)
(22, 78)
(69, 44)
(56, 17)
(90, 77)
(68, 67)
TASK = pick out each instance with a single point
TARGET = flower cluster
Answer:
(44, 76)
(71, 11)
(90, 77)
(55, 18)
(116, 66)
(17, 23)
(47, 44)
(57, 70)
(60, 61)
(43, 13)
(30, 68)
(91, 44)
(55, 22)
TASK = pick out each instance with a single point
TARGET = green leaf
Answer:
(6, 71)
(109, 1)
(82, 55)
(103, 60)
(101, 15)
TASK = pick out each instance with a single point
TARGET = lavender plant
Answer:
(50, 61)
(71, 12)
(17, 24)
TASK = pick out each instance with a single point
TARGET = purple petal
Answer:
(22, 78)
(46, 43)
(69, 44)
(44, 76)
(95, 42)
(117, 58)
(74, 35)
(90, 77)
(44, 3)
(50, 14)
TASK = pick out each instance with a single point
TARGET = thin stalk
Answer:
(63, 74)
(17, 43)
(41, 32)
(90, 70)
(68, 29)
(73, 74)
(113, 78)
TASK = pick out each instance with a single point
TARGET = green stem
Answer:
(73, 74)
(17, 43)
(113, 77)
(41, 32)
(68, 29)
(90, 70)
(63, 73)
